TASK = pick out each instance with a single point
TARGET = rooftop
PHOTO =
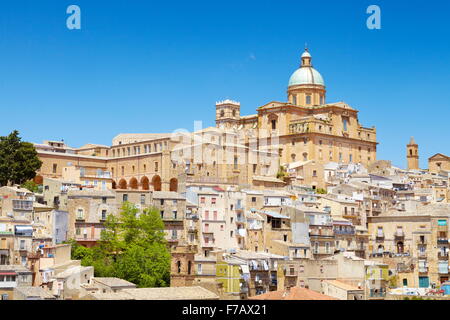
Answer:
(113, 282)
(295, 293)
(168, 293)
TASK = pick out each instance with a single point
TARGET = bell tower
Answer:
(412, 155)
(182, 271)
(227, 113)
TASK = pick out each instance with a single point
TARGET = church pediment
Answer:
(439, 157)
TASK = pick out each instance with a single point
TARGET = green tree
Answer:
(282, 174)
(18, 160)
(132, 247)
(30, 185)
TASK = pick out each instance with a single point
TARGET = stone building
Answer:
(414, 243)
(88, 210)
(245, 150)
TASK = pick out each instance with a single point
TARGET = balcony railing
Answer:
(442, 256)
(192, 229)
(422, 254)
(443, 270)
(99, 174)
(421, 242)
(9, 284)
(399, 235)
(344, 232)
(378, 294)
(442, 240)
(172, 218)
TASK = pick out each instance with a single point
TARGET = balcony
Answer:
(344, 232)
(380, 236)
(422, 254)
(423, 269)
(377, 294)
(192, 229)
(240, 219)
(399, 235)
(99, 174)
(442, 241)
(421, 242)
(8, 284)
(172, 218)
(443, 269)
(442, 256)
(82, 239)
(321, 231)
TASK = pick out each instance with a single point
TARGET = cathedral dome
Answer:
(306, 74)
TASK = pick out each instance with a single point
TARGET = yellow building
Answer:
(228, 274)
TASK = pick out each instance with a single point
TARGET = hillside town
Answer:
(288, 203)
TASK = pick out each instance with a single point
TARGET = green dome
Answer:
(306, 74)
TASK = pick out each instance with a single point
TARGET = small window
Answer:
(345, 123)
(274, 124)
(308, 99)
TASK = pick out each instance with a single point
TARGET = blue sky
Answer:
(147, 66)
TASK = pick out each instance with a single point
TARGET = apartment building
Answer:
(88, 210)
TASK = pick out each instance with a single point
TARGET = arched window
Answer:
(189, 267)
(179, 266)
(305, 156)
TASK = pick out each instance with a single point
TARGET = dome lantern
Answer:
(306, 86)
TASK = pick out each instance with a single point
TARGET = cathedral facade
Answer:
(306, 127)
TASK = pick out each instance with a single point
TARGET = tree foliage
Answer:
(282, 174)
(18, 160)
(132, 247)
(30, 185)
